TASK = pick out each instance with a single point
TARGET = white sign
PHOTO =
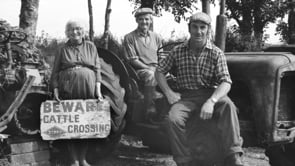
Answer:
(75, 119)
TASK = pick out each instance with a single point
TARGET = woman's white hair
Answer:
(77, 22)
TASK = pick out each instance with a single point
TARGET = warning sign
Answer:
(75, 119)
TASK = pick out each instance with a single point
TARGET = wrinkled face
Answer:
(199, 33)
(144, 21)
(75, 32)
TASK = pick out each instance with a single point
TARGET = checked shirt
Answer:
(206, 70)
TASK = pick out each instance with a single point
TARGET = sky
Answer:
(53, 15)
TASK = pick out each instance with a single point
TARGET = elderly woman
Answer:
(76, 75)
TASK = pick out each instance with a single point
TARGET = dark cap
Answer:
(142, 11)
(200, 16)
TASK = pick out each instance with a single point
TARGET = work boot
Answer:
(234, 160)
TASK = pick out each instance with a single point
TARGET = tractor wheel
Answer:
(26, 120)
(281, 155)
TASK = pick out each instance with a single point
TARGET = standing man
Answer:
(203, 82)
(140, 48)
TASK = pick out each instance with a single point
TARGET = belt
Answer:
(73, 67)
(77, 67)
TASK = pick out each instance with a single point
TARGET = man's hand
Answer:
(153, 68)
(207, 110)
(179, 113)
(173, 97)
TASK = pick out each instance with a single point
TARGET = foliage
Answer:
(235, 42)
(282, 26)
(282, 29)
(253, 15)
(177, 7)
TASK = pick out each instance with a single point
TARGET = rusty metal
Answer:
(18, 100)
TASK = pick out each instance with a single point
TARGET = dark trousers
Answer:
(224, 115)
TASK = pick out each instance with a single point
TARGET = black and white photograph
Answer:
(147, 82)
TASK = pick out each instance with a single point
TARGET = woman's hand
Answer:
(56, 94)
(2, 128)
(98, 91)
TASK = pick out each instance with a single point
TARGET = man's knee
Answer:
(225, 104)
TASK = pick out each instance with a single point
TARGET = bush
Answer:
(235, 42)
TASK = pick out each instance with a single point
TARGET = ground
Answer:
(131, 152)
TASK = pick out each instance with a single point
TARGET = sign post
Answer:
(75, 119)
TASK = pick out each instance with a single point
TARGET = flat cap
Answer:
(200, 16)
(142, 11)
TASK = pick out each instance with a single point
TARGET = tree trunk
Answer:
(91, 32)
(206, 6)
(107, 24)
(221, 27)
(291, 23)
(29, 17)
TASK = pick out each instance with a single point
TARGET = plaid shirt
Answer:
(207, 70)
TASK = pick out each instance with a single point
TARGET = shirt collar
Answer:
(208, 44)
(142, 34)
(70, 44)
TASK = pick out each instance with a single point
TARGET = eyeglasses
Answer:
(72, 29)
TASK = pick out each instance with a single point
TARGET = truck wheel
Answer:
(280, 155)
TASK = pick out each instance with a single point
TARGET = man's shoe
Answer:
(234, 160)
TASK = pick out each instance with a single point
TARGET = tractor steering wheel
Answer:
(12, 36)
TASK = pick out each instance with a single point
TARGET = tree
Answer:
(287, 29)
(177, 7)
(29, 17)
(252, 16)
(91, 32)
(106, 34)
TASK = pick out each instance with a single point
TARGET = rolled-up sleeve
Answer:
(222, 72)
(129, 48)
(165, 64)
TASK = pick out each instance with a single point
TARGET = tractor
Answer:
(263, 91)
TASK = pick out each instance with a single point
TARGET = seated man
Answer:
(140, 48)
(203, 82)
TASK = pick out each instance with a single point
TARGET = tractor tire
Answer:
(281, 155)
(115, 94)
(27, 118)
